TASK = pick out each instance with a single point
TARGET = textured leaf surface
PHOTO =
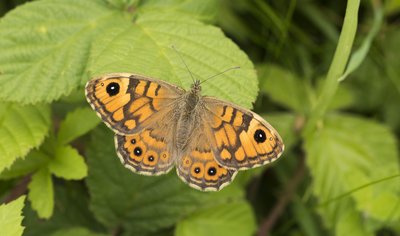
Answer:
(141, 204)
(46, 46)
(204, 10)
(32, 162)
(11, 218)
(343, 156)
(76, 231)
(77, 123)
(68, 164)
(147, 49)
(70, 211)
(284, 87)
(21, 128)
(227, 219)
(41, 193)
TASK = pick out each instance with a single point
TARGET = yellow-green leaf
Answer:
(67, 163)
(235, 219)
(11, 218)
(41, 193)
(21, 129)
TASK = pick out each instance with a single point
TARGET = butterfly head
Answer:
(196, 88)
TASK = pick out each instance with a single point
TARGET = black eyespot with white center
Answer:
(197, 170)
(133, 141)
(151, 158)
(112, 89)
(212, 171)
(137, 151)
(260, 136)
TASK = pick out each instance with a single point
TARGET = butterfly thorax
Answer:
(189, 115)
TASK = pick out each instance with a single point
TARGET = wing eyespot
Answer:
(260, 136)
(212, 171)
(137, 151)
(112, 89)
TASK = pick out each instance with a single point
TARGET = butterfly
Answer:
(159, 125)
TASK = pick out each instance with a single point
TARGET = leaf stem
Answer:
(337, 67)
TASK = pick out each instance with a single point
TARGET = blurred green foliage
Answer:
(328, 81)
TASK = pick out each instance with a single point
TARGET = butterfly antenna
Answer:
(180, 56)
(220, 73)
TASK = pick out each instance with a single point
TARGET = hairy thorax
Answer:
(189, 113)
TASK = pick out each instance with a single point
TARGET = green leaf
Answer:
(11, 218)
(147, 49)
(139, 204)
(32, 162)
(45, 47)
(284, 87)
(349, 221)
(68, 164)
(47, 42)
(41, 193)
(343, 156)
(204, 10)
(306, 217)
(71, 210)
(225, 219)
(77, 123)
(21, 128)
(76, 231)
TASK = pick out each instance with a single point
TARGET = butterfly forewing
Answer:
(242, 139)
(127, 103)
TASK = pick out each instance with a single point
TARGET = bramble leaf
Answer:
(147, 49)
(77, 123)
(284, 87)
(21, 128)
(67, 163)
(146, 204)
(70, 211)
(204, 10)
(343, 157)
(11, 218)
(225, 219)
(41, 194)
(32, 162)
(76, 231)
(46, 46)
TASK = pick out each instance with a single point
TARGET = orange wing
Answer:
(126, 102)
(242, 139)
(197, 167)
(149, 152)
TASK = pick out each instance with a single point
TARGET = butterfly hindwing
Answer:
(197, 166)
(242, 139)
(146, 153)
(127, 103)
